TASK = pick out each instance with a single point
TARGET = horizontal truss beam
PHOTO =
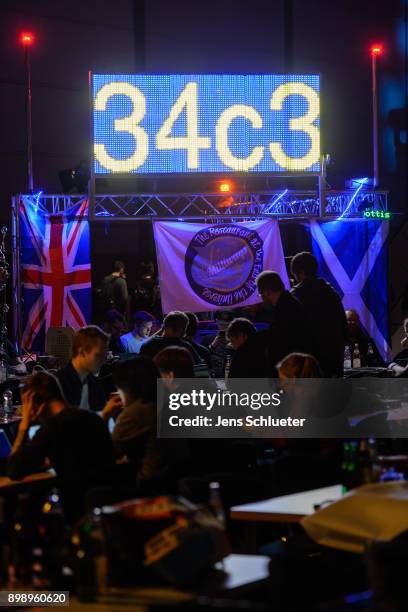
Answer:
(185, 206)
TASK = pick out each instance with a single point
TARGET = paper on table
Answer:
(375, 511)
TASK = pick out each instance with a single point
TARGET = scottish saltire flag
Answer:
(56, 271)
(214, 267)
(352, 256)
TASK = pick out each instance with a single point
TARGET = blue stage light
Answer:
(362, 182)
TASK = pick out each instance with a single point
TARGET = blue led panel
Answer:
(160, 124)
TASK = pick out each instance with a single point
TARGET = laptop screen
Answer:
(5, 445)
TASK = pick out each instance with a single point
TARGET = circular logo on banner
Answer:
(222, 263)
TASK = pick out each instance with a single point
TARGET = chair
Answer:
(58, 343)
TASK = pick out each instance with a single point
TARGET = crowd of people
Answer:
(310, 318)
(305, 338)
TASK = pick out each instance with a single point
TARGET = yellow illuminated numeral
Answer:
(192, 142)
(221, 137)
(303, 124)
(128, 124)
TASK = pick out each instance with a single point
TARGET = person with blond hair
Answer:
(78, 379)
(299, 365)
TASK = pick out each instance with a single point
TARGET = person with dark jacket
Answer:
(173, 334)
(75, 442)
(289, 330)
(325, 313)
(154, 460)
(113, 323)
(356, 335)
(190, 337)
(82, 389)
(115, 289)
(249, 358)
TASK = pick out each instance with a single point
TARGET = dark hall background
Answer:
(240, 36)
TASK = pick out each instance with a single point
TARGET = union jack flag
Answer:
(56, 270)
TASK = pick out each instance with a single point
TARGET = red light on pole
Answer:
(27, 38)
(376, 49)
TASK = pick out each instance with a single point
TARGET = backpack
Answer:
(105, 294)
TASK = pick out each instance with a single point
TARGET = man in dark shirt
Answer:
(173, 334)
(356, 335)
(75, 442)
(157, 462)
(115, 289)
(82, 389)
(289, 331)
(324, 311)
(114, 325)
(190, 337)
(249, 358)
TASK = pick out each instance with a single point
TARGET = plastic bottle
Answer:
(8, 404)
(347, 358)
(356, 357)
(91, 559)
(370, 356)
(375, 464)
(215, 502)
(3, 371)
(364, 463)
(349, 464)
(227, 366)
(48, 554)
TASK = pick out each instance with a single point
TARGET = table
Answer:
(243, 570)
(7, 483)
(239, 573)
(14, 420)
(288, 508)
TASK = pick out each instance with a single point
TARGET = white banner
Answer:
(214, 267)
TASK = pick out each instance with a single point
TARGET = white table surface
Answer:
(288, 507)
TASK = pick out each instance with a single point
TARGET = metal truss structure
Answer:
(201, 207)
(210, 208)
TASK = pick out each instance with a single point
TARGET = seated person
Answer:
(76, 442)
(82, 389)
(303, 399)
(114, 325)
(142, 327)
(356, 335)
(190, 337)
(399, 365)
(204, 456)
(135, 433)
(249, 358)
(172, 334)
(174, 362)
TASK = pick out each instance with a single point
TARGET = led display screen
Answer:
(163, 124)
